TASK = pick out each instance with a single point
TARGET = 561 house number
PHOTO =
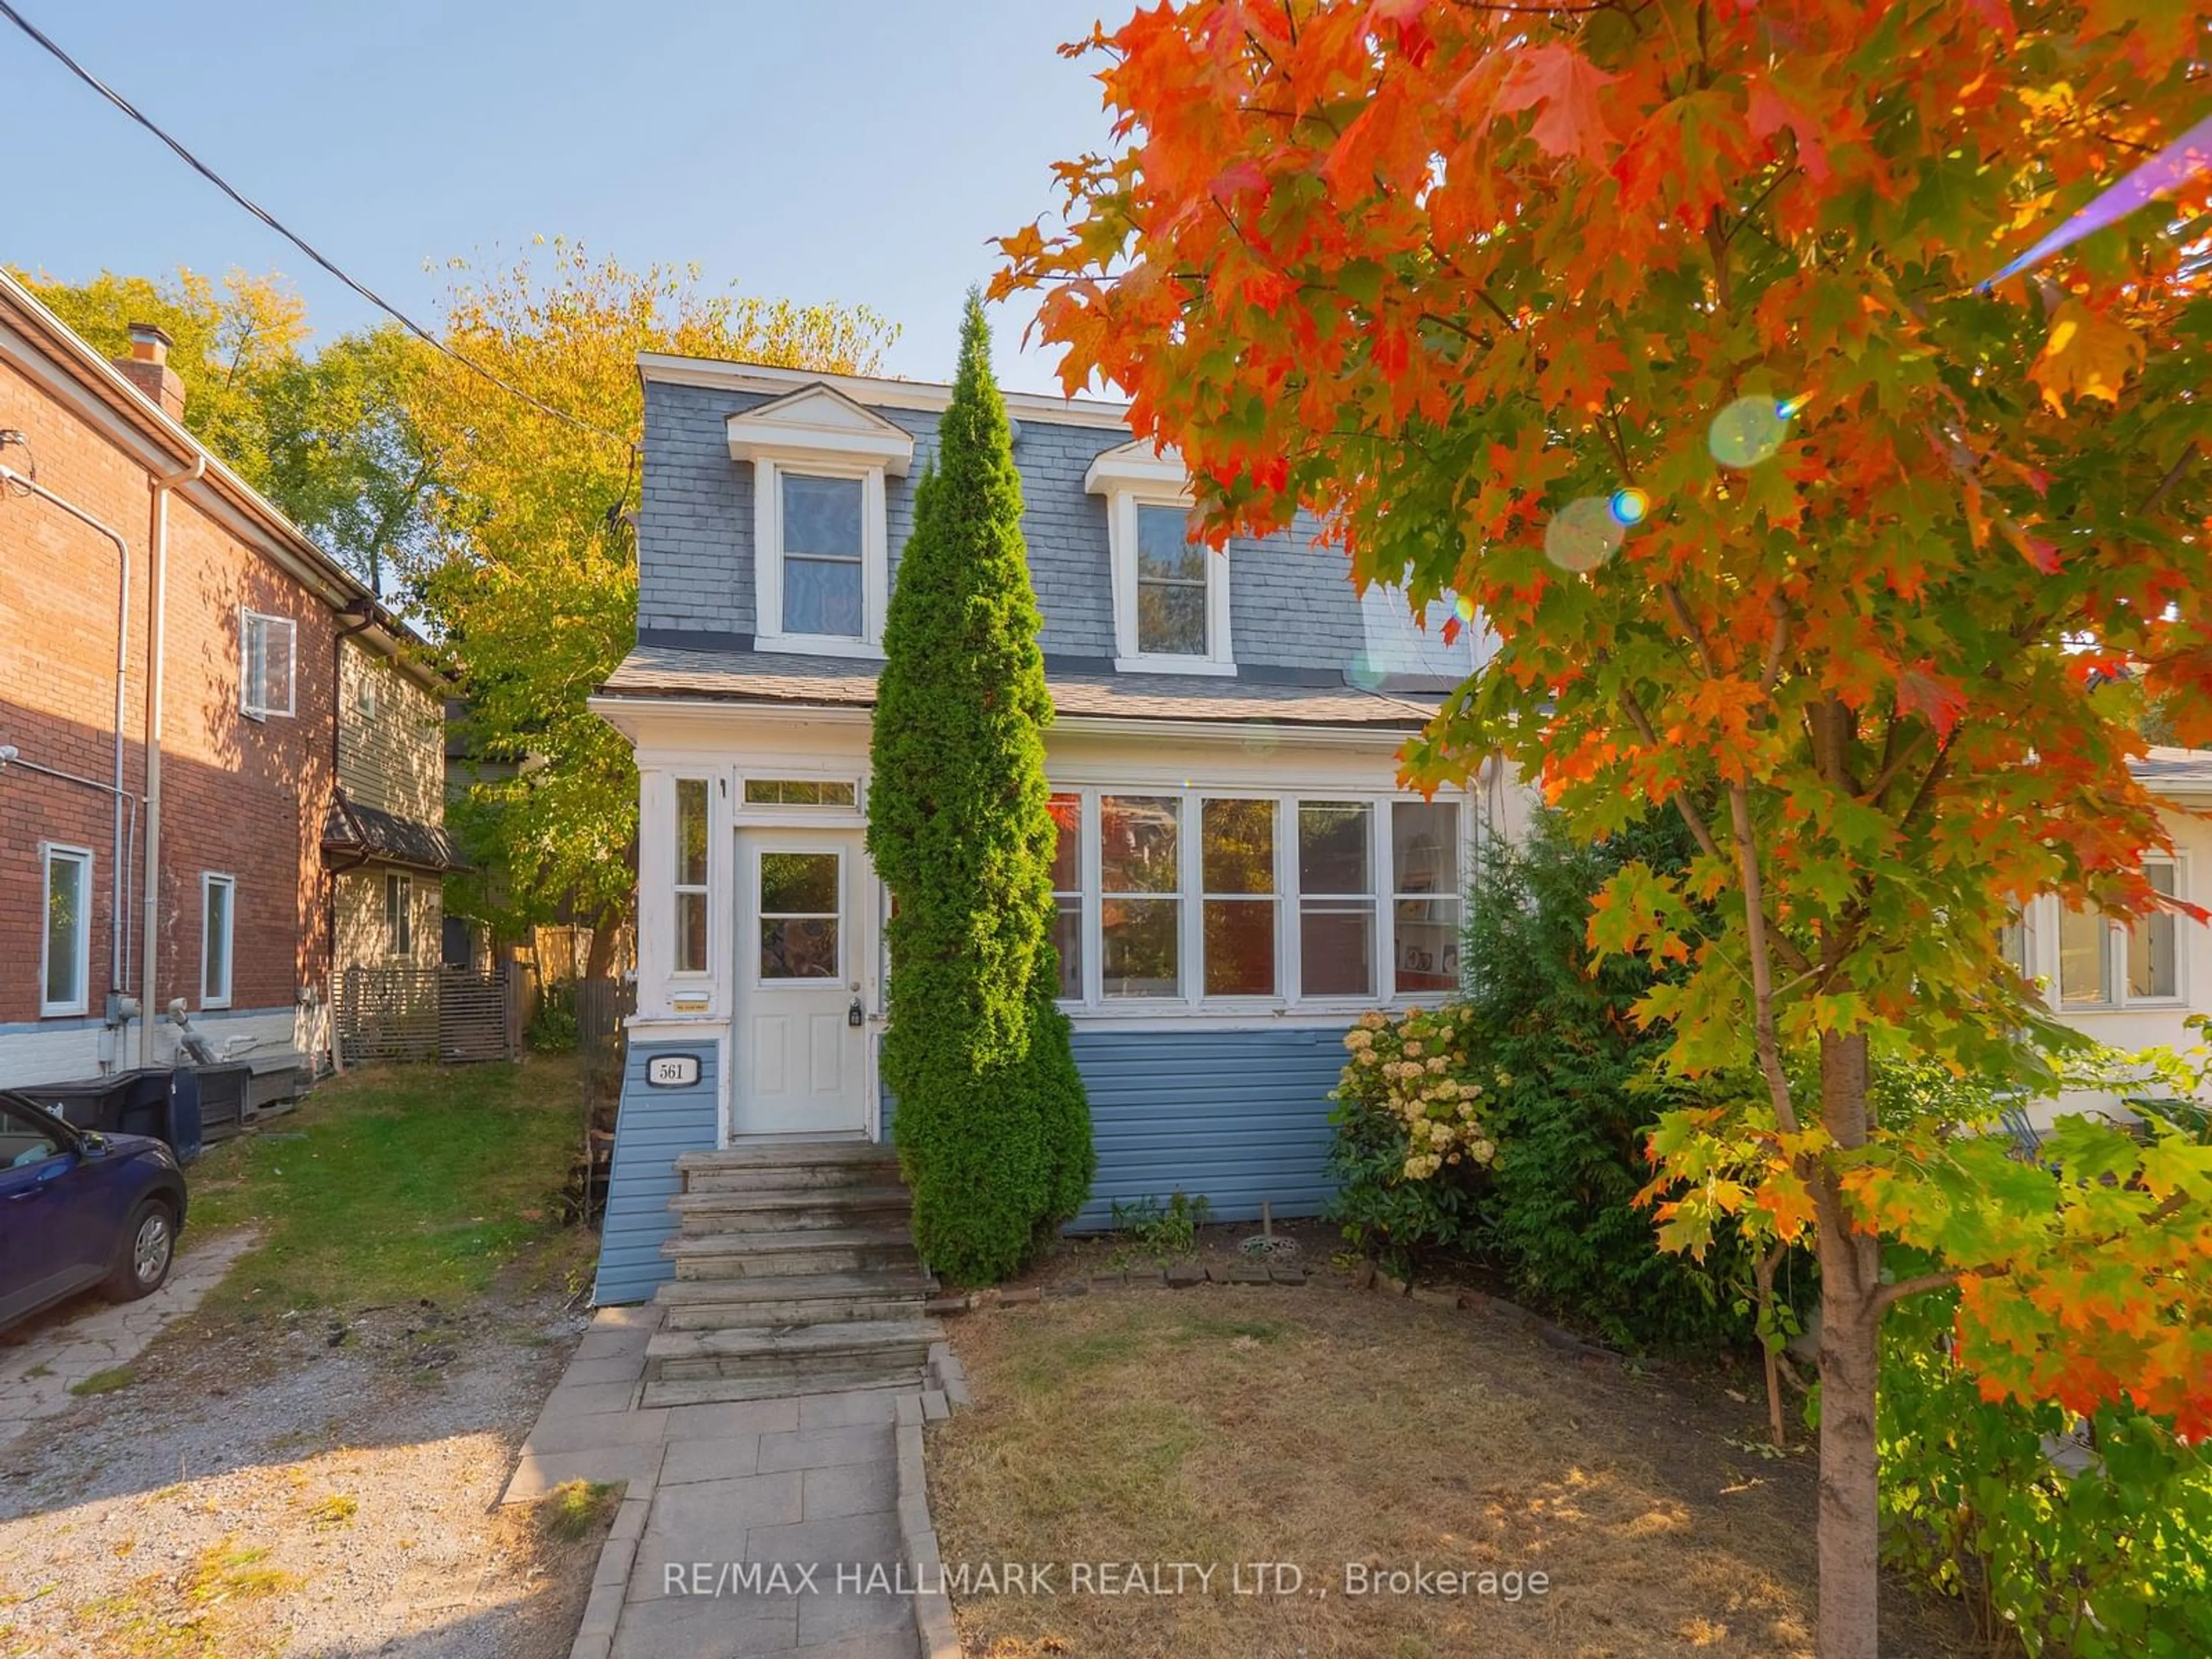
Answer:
(673, 1070)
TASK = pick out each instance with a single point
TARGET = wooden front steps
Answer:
(795, 1272)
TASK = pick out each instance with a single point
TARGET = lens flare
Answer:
(1465, 609)
(1582, 534)
(1749, 431)
(1629, 505)
(1790, 409)
(2167, 171)
(1364, 673)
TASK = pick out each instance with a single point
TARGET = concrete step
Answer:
(776, 1254)
(770, 1351)
(709, 1304)
(715, 1390)
(699, 1213)
(787, 1164)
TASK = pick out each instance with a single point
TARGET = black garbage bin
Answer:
(161, 1100)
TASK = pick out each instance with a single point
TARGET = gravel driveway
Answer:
(287, 1485)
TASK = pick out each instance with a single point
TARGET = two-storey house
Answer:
(1239, 875)
(173, 655)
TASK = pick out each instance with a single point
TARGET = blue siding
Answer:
(653, 1126)
(1237, 1116)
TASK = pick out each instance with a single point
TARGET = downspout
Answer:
(118, 981)
(156, 643)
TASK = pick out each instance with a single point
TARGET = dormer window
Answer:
(1170, 593)
(821, 564)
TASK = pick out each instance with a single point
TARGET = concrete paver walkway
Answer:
(765, 1527)
(41, 1362)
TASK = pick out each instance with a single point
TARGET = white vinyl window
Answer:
(1424, 880)
(267, 668)
(821, 581)
(218, 907)
(1336, 898)
(1170, 593)
(1236, 905)
(1067, 907)
(690, 884)
(400, 914)
(2104, 962)
(1140, 896)
(65, 942)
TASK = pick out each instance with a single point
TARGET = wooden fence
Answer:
(447, 1014)
(601, 1006)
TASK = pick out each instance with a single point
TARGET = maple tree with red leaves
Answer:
(1655, 330)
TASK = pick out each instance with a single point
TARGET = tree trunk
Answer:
(1850, 1272)
(599, 961)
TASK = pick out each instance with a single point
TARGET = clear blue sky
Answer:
(858, 150)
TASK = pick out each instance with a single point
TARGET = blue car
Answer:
(80, 1209)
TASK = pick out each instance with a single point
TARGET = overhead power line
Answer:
(293, 237)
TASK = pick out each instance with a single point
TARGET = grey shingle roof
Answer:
(658, 671)
(2175, 771)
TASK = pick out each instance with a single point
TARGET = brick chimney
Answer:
(148, 368)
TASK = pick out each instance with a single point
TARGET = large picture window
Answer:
(1210, 901)
(690, 884)
(1140, 896)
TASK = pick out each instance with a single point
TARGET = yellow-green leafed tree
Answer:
(535, 587)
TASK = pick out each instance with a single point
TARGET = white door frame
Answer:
(860, 961)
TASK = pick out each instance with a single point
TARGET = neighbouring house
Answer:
(1239, 874)
(172, 654)
(2134, 984)
(385, 843)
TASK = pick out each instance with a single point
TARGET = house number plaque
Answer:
(673, 1070)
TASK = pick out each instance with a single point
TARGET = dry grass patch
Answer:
(1226, 1426)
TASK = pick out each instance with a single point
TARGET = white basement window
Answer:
(65, 942)
(1170, 594)
(266, 665)
(218, 906)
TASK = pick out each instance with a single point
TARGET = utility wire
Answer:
(274, 224)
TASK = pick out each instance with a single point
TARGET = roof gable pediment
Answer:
(819, 421)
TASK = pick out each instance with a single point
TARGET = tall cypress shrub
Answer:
(992, 1129)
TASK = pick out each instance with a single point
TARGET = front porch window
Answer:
(690, 884)
(1067, 893)
(1237, 872)
(1140, 884)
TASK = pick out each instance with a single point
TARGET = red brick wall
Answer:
(240, 796)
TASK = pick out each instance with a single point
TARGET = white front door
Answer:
(801, 1055)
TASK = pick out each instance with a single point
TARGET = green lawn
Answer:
(393, 1183)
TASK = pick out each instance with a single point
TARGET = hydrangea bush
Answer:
(1415, 1068)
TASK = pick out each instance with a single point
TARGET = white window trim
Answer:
(210, 997)
(49, 853)
(1289, 999)
(246, 617)
(677, 886)
(1220, 656)
(2112, 956)
(768, 557)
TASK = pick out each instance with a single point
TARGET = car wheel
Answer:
(144, 1252)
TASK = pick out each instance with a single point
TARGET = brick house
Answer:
(170, 672)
